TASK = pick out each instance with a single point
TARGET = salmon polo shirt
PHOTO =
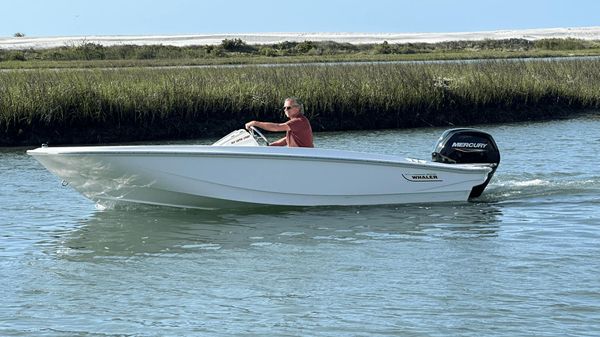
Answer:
(300, 133)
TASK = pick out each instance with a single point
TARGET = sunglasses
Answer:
(288, 107)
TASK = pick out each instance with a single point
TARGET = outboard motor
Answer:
(468, 146)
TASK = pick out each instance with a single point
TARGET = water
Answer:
(524, 260)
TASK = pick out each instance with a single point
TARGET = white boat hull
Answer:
(210, 177)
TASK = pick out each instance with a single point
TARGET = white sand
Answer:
(585, 33)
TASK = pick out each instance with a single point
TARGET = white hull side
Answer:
(218, 177)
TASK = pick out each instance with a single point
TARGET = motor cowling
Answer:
(468, 146)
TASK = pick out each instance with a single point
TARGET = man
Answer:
(298, 132)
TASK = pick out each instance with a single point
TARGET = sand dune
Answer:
(586, 33)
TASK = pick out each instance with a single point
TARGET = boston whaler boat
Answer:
(236, 171)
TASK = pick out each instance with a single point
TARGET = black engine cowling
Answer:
(467, 146)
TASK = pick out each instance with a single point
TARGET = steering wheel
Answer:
(258, 135)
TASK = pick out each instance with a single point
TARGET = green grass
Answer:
(294, 59)
(116, 105)
(89, 55)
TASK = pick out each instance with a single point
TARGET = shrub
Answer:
(561, 44)
(305, 47)
(383, 48)
(236, 45)
(267, 51)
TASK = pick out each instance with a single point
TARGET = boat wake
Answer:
(503, 190)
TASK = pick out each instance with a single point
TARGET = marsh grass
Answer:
(92, 106)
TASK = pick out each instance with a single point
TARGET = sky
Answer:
(41, 18)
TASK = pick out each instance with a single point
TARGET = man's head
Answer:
(293, 107)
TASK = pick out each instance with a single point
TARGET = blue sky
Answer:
(131, 17)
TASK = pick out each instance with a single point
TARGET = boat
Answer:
(240, 171)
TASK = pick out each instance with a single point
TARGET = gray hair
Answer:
(297, 102)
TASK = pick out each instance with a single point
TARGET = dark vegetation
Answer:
(237, 51)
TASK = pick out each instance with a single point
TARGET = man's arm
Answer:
(275, 127)
(280, 142)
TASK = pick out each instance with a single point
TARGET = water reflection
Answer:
(157, 231)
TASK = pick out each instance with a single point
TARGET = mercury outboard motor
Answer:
(468, 146)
